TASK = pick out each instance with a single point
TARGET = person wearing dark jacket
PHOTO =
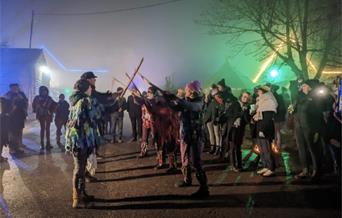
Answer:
(214, 107)
(101, 102)
(44, 106)
(242, 118)
(280, 116)
(61, 117)
(309, 121)
(117, 116)
(226, 119)
(80, 139)
(134, 112)
(225, 90)
(16, 95)
(191, 135)
(4, 122)
(17, 117)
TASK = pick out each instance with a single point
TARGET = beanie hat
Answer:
(194, 86)
(222, 83)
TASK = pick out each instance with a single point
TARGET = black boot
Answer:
(212, 149)
(87, 197)
(203, 191)
(48, 145)
(42, 144)
(218, 151)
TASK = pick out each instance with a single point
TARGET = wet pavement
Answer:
(39, 185)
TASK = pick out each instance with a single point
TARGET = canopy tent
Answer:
(237, 81)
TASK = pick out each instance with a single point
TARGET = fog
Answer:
(167, 36)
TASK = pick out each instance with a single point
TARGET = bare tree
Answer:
(169, 84)
(297, 31)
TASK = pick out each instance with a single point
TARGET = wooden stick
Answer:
(151, 84)
(118, 81)
(133, 83)
(134, 74)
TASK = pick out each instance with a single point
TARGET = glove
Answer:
(237, 122)
(261, 135)
(290, 109)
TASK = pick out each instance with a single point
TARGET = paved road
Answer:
(39, 185)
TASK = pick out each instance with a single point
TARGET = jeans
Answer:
(59, 126)
(191, 155)
(307, 147)
(136, 122)
(117, 125)
(44, 130)
(214, 134)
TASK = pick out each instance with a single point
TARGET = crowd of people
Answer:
(14, 112)
(183, 124)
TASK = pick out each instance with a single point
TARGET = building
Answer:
(24, 66)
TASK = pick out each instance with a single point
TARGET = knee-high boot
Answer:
(203, 191)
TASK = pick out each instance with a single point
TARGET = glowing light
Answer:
(59, 63)
(274, 73)
(67, 91)
(267, 63)
(44, 69)
(332, 72)
(275, 148)
(269, 60)
(324, 72)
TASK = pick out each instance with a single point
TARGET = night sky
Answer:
(167, 36)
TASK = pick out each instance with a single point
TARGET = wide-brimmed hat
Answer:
(264, 88)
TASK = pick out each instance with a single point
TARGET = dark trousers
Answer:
(236, 140)
(191, 155)
(117, 125)
(80, 163)
(14, 138)
(266, 153)
(136, 126)
(59, 126)
(44, 130)
(307, 147)
(265, 136)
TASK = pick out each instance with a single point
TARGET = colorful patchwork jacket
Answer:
(81, 127)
